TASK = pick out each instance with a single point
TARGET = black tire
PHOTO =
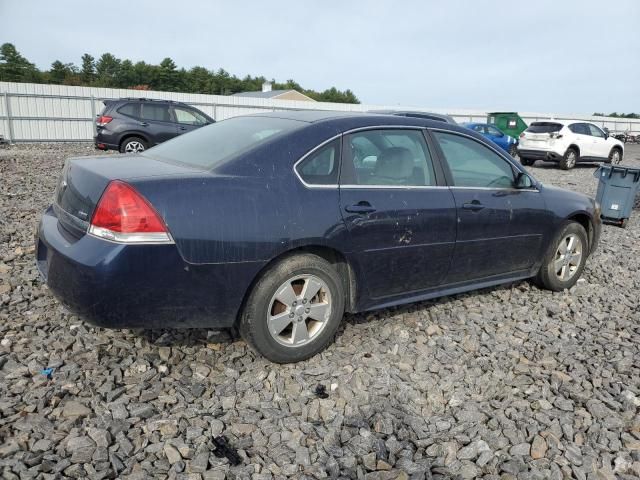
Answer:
(129, 145)
(527, 162)
(612, 154)
(570, 159)
(624, 223)
(547, 275)
(513, 151)
(253, 323)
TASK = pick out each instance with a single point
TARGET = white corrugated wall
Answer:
(64, 113)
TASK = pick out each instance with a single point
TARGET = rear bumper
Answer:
(138, 286)
(104, 140)
(548, 155)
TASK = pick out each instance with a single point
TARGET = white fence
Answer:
(31, 112)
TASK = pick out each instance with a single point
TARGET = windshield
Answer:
(210, 146)
(544, 127)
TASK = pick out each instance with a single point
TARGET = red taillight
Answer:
(102, 120)
(555, 135)
(522, 135)
(123, 215)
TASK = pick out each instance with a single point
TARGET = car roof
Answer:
(349, 120)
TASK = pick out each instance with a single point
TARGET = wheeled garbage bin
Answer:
(617, 189)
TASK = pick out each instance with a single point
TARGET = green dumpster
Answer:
(508, 122)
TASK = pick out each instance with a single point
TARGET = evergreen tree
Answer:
(88, 72)
(14, 67)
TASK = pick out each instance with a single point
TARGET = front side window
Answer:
(388, 158)
(494, 131)
(474, 165)
(579, 128)
(154, 112)
(594, 131)
(321, 167)
(188, 117)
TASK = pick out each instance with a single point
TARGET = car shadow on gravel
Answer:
(554, 166)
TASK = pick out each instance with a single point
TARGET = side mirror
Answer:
(522, 180)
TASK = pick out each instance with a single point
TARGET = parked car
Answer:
(504, 141)
(296, 217)
(439, 117)
(568, 143)
(131, 125)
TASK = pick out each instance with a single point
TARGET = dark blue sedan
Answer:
(504, 141)
(279, 223)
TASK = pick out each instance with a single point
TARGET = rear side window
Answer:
(321, 167)
(130, 110)
(210, 146)
(388, 158)
(158, 113)
(472, 164)
(544, 127)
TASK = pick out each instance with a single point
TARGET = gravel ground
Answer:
(509, 382)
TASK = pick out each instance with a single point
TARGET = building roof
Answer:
(270, 94)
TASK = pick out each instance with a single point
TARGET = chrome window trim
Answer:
(394, 187)
(495, 150)
(511, 189)
(335, 137)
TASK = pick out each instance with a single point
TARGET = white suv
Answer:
(568, 143)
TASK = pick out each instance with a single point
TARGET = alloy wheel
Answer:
(615, 157)
(568, 257)
(571, 159)
(134, 147)
(299, 310)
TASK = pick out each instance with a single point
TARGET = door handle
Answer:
(360, 207)
(473, 206)
(144, 124)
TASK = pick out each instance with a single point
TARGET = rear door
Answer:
(156, 122)
(400, 216)
(187, 119)
(499, 227)
(583, 139)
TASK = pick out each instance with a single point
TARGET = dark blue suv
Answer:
(132, 125)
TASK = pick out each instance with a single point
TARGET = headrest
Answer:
(395, 162)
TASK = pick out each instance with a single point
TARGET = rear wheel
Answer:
(569, 160)
(294, 310)
(513, 150)
(615, 157)
(133, 145)
(527, 162)
(564, 262)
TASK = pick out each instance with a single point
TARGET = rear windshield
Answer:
(544, 127)
(209, 146)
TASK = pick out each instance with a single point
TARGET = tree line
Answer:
(112, 72)
(618, 115)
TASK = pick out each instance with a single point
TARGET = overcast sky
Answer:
(573, 56)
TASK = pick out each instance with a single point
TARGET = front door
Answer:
(400, 216)
(157, 122)
(500, 227)
(600, 147)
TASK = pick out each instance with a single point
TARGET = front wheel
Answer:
(294, 310)
(564, 262)
(615, 157)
